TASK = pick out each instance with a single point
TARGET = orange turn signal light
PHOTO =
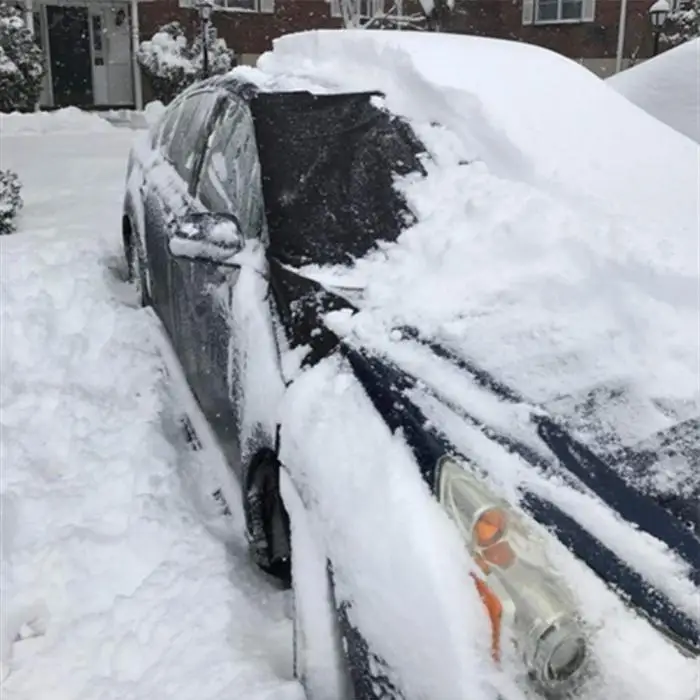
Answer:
(490, 527)
(494, 608)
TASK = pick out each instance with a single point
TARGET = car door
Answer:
(169, 197)
(228, 182)
(158, 176)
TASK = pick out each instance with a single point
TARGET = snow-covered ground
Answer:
(667, 87)
(114, 585)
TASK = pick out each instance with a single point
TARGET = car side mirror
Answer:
(207, 237)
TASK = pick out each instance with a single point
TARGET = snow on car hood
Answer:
(563, 268)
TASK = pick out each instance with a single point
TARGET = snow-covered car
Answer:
(667, 87)
(266, 221)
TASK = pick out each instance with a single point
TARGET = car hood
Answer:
(658, 457)
(601, 507)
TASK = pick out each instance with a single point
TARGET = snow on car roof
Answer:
(565, 257)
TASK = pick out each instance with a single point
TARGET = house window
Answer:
(559, 11)
(371, 8)
(265, 6)
(250, 5)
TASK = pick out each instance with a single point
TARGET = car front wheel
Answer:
(136, 270)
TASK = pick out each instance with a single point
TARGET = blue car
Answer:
(234, 196)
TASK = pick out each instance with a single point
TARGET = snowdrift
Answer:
(667, 87)
(66, 120)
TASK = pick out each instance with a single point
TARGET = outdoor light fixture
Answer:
(658, 14)
(205, 8)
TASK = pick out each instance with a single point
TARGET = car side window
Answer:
(167, 124)
(190, 133)
(230, 176)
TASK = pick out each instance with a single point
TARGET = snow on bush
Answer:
(172, 63)
(10, 201)
(21, 63)
(683, 24)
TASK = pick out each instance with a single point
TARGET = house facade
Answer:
(89, 43)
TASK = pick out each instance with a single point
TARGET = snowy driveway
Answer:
(101, 544)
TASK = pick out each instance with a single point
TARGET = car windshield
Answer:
(328, 166)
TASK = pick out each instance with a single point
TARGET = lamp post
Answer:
(205, 8)
(621, 27)
(658, 14)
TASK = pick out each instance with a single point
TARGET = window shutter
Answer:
(528, 11)
(588, 11)
(335, 8)
(267, 6)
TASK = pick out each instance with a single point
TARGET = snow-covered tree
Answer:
(10, 201)
(682, 24)
(21, 63)
(172, 63)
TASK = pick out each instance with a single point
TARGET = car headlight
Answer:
(519, 586)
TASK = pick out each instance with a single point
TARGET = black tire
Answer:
(136, 262)
(267, 522)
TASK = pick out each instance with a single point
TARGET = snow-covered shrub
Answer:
(172, 63)
(10, 201)
(683, 24)
(21, 63)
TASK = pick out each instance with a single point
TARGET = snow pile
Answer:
(667, 87)
(133, 119)
(66, 120)
(111, 585)
(153, 111)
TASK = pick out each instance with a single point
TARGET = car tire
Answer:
(136, 263)
(266, 520)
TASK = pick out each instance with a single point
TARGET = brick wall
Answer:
(586, 40)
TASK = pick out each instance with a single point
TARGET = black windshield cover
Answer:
(328, 166)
